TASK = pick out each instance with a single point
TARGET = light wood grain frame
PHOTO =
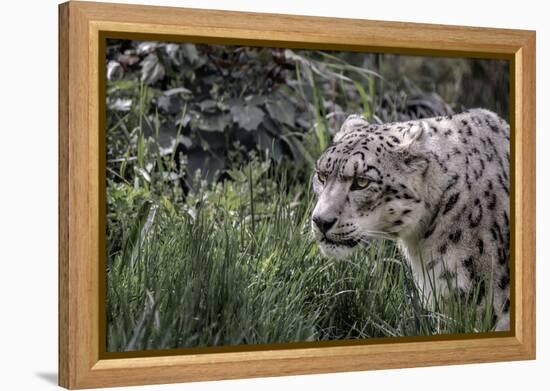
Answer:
(81, 172)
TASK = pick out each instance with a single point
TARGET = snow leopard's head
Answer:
(366, 185)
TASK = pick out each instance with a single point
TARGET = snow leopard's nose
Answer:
(322, 224)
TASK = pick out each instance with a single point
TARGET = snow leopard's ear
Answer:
(409, 159)
(352, 123)
(414, 163)
(411, 135)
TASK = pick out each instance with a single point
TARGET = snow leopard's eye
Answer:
(322, 177)
(359, 183)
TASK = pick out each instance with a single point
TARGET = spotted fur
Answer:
(438, 186)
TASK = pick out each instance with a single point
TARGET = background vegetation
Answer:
(209, 156)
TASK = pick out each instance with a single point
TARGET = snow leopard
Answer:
(439, 187)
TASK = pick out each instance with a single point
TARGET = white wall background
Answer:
(28, 193)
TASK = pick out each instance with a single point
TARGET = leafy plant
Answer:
(217, 103)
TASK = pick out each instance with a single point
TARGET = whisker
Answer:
(343, 233)
(374, 231)
(379, 236)
(385, 234)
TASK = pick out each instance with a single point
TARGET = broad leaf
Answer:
(208, 105)
(247, 117)
(213, 123)
(151, 69)
(281, 110)
(190, 52)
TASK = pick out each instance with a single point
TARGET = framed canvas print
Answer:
(247, 195)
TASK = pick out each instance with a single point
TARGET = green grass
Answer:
(237, 265)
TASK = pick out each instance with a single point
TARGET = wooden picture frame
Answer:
(82, 26)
